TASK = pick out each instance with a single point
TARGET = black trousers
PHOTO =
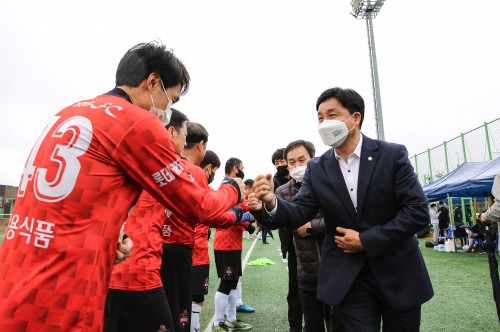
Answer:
(316, 313)
(266, 232)
(131, 311)
(176, 277)
(293, 299)
(364, 307)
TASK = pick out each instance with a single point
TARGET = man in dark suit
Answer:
(373, 205)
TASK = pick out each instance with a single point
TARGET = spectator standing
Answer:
(444, 218)
(308, 241)
(434, 215)
(281, 177)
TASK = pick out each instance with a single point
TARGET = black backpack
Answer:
(429, 244)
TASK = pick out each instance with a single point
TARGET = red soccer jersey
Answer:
(141, 271)
(200, 250)
(79, 182)
(181, 231)
(231, 238)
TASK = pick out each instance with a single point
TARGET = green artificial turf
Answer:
(463, 299)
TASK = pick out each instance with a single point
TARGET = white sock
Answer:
(221, 301)
(471, 242)
(240, 292)
(195, 317)
(231, 306)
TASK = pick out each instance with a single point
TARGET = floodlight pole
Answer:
(377, 100)
(368, 9)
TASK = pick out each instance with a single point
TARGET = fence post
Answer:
(12, 203)
(488, 140)
(463, 147)
(416, 164)
(430, 164)
(446, 157)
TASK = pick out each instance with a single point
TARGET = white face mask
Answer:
(334, 132)
(163, 115)
(297, 173)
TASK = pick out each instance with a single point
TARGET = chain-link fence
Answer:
(479, 144)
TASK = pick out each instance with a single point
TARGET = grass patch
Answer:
(463, 299)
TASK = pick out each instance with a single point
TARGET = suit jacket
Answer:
(392, 208)
(493, 213)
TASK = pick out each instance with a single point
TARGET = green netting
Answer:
(478, 145)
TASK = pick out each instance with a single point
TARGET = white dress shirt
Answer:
(350, 171)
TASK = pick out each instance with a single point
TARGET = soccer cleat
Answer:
(244, 308)
(222, 327)
(238, 325)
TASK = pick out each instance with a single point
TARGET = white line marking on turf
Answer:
(243, 265)
(247, 256)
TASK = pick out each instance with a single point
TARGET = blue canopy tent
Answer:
(473, 179)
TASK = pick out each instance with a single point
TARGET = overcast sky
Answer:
(257, 67)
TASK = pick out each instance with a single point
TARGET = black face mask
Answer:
(240, 174)
(282, 171)
(211, 178)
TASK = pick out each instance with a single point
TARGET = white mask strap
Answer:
(152, 101)
(170, 101)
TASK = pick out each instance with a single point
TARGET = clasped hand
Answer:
(349, 242)
(254, 204)
(264, 190)
(123, 248)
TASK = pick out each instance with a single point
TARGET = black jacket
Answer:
(444, 218)
(284, 233)
(308, 249)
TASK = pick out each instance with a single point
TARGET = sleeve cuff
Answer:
(273, 211)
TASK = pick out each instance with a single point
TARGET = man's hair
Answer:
(153, 57)
(230, 163)
(195, 134)
(277, 155)
(298, 143)
(433, 204)
(177, 119)
(349, 98)
(249, 182)
(211, 158)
